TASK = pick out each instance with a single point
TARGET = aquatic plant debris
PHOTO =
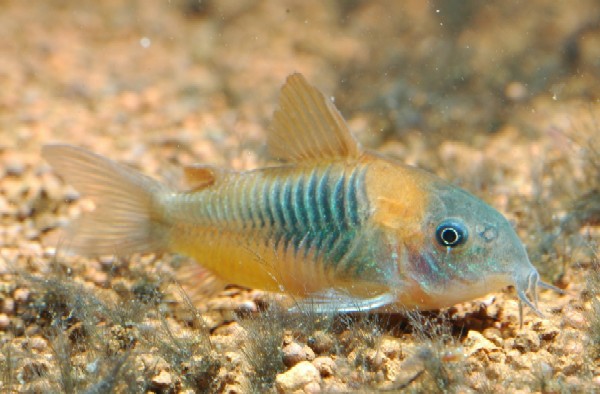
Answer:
(336, 226)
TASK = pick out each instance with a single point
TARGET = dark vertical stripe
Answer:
(322, 193)
(216, 207)
(246, 205)
(310, 201)
(240, 204)
(228, 208)
(339, 248)
(352, 251)
(275, 203)
(254, 205)
(287, 208)
(265, 208)
(325, 247)
(336, 201)
(350, 203)
(226, 204)
(300, 217)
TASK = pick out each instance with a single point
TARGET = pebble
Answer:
(163, 380)
(295, 353)
(8, 306)
(99, 278)
(21, 295)
(33, 369)
(233, 328)
(14, 165)
(312, 387)
(325, 366)
(494, 335)
(297, 377)
(515, 359)
(527, 341)
(320, 342)
(574, 318)
(4, 321)
(38, 343)
(391, 348)
(546, 330)
(476, 342)
(515, 91)
(374, 358)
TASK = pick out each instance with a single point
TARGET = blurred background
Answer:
(501, 98)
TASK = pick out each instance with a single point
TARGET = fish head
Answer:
(468, 249)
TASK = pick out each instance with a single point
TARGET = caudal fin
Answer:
(128, 214)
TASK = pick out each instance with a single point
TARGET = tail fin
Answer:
(128, 217)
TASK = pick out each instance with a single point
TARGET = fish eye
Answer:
(451, 233)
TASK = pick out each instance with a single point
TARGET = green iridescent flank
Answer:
(322, 212)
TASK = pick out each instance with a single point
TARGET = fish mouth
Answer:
(529, 284)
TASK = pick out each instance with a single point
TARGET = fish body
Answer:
(336, 226)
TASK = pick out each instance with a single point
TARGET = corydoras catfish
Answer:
(335, 225)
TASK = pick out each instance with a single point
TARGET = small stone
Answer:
(494, 335)
(297, 377)
(312, 387)
(33, 369)
(38, 343)
(32, 330)
(99, 278)
(8, 306)
(333, 386)
(325, 366)
(14, 165)
(320, 342)
(18, 326)
(310, 355)
(515, 359)
(391, 348)
(293, 354)
(515, 91)
(476, 342)
(162, 380)
(574, 318)
(527, 341)
(231, 389)
(545, 330)
(248, 306)
(233, 328)
(21, 295)
(374, 358)
(4, 321)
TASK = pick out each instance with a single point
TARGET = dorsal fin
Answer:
(199, 176)
(308, 126)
